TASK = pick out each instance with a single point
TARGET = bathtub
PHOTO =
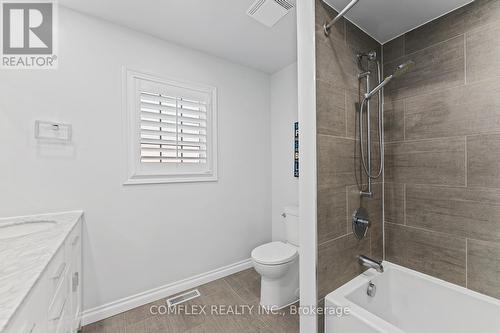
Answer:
(411, 302)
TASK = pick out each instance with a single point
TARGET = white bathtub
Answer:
(411, 302)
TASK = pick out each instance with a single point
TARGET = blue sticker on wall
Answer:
(296, 151)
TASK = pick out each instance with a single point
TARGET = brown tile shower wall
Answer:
(338, 193)
(442, 123)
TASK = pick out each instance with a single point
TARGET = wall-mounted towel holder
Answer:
(51, 131)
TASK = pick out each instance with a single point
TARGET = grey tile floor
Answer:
(236, 290)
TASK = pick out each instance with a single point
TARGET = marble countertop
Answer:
(24, 258)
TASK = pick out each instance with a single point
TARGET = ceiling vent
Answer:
(269, 12)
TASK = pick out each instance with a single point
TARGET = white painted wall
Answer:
(285, 186)
(144, 236)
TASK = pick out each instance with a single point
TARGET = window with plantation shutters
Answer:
(171, 130)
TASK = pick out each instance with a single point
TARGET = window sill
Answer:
(167, 180)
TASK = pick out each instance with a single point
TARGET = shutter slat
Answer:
(173, 134)
(157, 107)
(156, 115)
(190, 136)
(174, 150)
(172, 126)
(158, 132)
(172, 109)
(172, 118)
(163, 125)
(158, 158)
(155, 99)
(172, 143)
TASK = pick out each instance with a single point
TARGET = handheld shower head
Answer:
(400, 71)
(404, 68)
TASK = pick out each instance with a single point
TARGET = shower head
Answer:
(404, 68)
(400, 71)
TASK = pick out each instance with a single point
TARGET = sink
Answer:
(24, 228)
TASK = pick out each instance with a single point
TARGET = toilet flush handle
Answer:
(283, 215)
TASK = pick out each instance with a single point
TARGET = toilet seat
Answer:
(275, 253)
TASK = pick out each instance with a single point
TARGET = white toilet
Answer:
(278, 265)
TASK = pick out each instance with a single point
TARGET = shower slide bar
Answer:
(328, 26)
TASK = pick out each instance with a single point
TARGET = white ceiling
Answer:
(222, 28)
(217, 27)
(387, 19)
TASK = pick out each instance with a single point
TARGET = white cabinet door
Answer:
(75, 248)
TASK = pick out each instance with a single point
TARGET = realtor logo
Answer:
(28, 34)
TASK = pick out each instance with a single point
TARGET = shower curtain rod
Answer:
(327, 26)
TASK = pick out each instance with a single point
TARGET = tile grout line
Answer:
(441, 138)
(460, 187)
(466, 167)
(247, 303)
(344, 23)
(404, 119)
(465, 58)
(371, 249)
(404, 203)
(397, 95)
(440, 233)
(466, 264)
(345, 112)
(337, 137)
(404, 44)
(234, 290)
(423, 49)
(347, 208)
(477, 82)
(334, 239)
(444, 89)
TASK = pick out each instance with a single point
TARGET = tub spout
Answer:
(370, 263)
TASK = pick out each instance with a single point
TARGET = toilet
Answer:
(278, 265)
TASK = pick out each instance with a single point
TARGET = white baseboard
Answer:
(108, 310)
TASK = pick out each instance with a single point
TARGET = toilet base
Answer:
(281, 292)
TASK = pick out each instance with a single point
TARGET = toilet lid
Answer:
(274, 253)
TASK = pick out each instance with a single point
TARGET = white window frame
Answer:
(137, 173)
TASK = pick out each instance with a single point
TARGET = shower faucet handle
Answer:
(360, 223)
(359, 220)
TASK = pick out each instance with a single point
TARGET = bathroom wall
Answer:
(338, 183)
(145, 236)
(442, 197)
(284, 114)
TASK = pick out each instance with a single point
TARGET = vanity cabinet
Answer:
(54, 304)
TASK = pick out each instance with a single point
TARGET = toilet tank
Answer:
(291, 217)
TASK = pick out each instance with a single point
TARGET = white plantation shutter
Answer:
(174, 129)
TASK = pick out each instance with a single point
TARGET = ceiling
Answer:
(387, 19)
(222, 28)
(217, 27)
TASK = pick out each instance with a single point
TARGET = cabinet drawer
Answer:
(60, 300)
(74, 247)
(74, 242)
(61, 325)
(56, 271)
